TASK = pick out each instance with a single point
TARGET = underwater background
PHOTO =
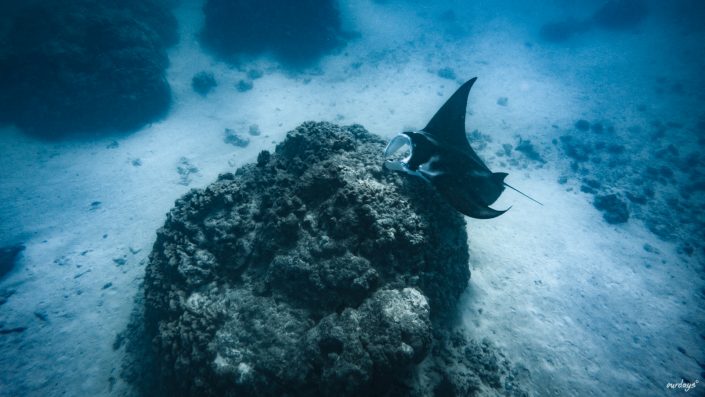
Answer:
(111, 112)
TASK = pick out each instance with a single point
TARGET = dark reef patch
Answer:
(620, 14)
(297, 33)
(79, 66)
(234, 138)
(560, 31)
(244, 85)
(313, 272)
(447, 73)
(612, 15)
(653, 173)
(613, 208)
(8, 257)
(203, 83)
(582, 125)
(528, 149)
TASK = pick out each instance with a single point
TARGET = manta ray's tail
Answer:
(522, 193)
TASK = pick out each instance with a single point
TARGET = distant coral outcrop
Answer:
(79, 66)
(297, 33)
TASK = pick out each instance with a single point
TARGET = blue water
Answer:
(112, 112)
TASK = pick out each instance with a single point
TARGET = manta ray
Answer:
(441, 155)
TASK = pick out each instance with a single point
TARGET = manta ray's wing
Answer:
(472, 202)
(448, 124)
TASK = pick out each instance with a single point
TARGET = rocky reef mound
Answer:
(313, 272)
(83, 66)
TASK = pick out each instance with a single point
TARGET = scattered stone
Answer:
(650, 249)
(136, 162)
(613, 208)
(686, 248)
(5, 295)
(203, 83)
(582, 125)
(254, 130)
(662, 228)
(590, 186)
(447, 73)
(244, 85)
(113, 145)
(8, 258)
(95, 205)
(526, 148)
(587, 189)
(119, 340)
(16, 330)
(502, 101)
(507, 148)
(254, 74)
(478, 140)
(593, 183)
(120, 261)
(41, 314)
(579, 152)
(233, 138)
(62, 261)
(185, 170)
(107, 285)
(636, 198)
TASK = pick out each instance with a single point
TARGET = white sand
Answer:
(577, 302)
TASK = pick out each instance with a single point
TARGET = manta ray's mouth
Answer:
(395, 158)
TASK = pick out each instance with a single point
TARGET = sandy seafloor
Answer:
(575, 301)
